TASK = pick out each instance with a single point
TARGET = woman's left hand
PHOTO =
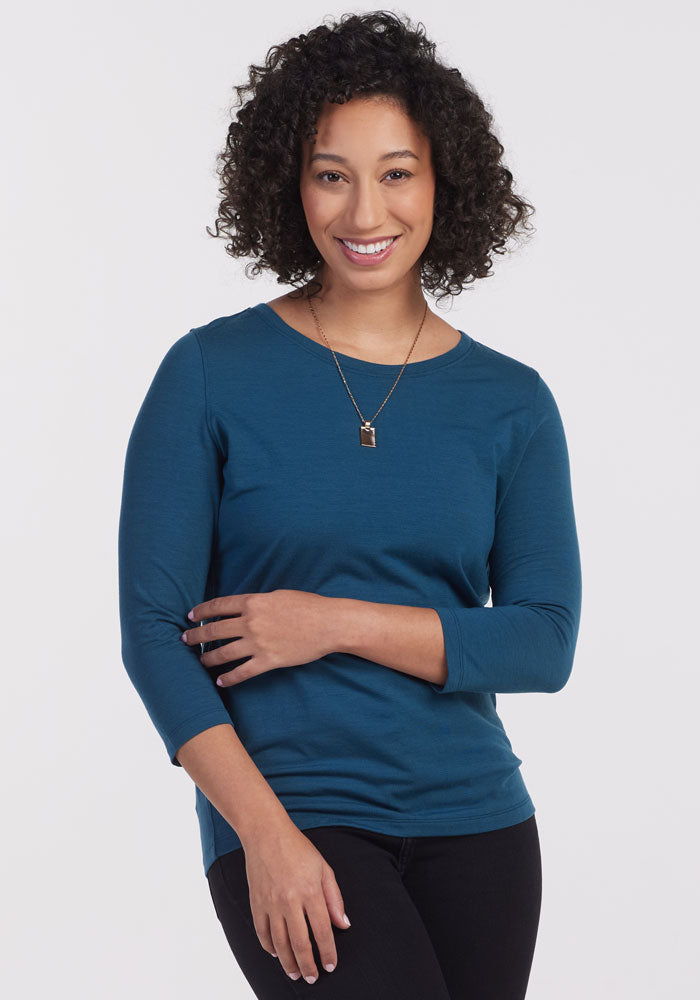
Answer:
(278, 628)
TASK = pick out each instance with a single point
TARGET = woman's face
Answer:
(367, 177)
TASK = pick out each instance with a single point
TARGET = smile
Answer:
(372, 253)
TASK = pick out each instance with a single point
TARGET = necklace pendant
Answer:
(367, 435)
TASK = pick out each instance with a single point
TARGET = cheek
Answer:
(413, 205)
(424, 201)
(315, 207)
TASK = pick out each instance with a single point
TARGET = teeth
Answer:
(369, 247)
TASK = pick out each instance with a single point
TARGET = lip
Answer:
(367, 260)
(377, 239)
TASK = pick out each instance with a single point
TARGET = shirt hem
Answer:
(445, 826)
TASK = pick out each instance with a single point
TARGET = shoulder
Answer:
(515, 383)
(504, 374)
(226, 330)
(235, 342)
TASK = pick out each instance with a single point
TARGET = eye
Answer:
(325, 173)
(334, 173)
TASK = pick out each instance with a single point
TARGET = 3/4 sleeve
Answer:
(167, 528)
(526, 640)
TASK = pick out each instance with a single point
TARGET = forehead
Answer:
(364, 128)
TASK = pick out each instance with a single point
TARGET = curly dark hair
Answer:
(476, 210)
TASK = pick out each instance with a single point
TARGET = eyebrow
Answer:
(394, 154)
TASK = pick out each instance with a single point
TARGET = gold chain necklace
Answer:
(367, 432)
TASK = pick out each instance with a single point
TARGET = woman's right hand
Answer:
(289, 879)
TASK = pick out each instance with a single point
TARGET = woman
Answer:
(333, 482)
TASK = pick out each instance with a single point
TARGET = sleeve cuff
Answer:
(453, 652)
(189, 728)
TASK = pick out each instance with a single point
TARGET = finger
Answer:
(298, 931)
(226, 628)
(239, 674)
(217, 606)
(334, 898)
(283, 946)
(317, 912)
(262, 929)
(237, 649)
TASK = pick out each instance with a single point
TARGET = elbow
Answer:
(559, 674)
(560, 662)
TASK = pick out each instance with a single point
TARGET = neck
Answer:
(370, 320)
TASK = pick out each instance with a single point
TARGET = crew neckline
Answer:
(413, 368)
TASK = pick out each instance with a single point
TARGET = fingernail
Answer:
(220, 682)
(329, 967)
(347, 921)
(190, 616)
(184, 636)
(311, 979)
(294, 975)
(274, 954)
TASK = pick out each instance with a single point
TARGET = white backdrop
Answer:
(113, 114)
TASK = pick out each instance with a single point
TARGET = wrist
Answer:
(268, 823)
(342, 623)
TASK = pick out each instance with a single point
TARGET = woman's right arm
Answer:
(222, 768)
(287, 875)
(167, 532)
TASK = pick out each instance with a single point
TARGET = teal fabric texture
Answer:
(244, 473)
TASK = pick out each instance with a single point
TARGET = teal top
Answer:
(244, 473)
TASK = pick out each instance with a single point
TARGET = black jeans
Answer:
(432, 918)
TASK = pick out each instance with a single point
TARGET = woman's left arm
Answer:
(526, 641)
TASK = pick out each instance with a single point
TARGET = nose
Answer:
(365, 209)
